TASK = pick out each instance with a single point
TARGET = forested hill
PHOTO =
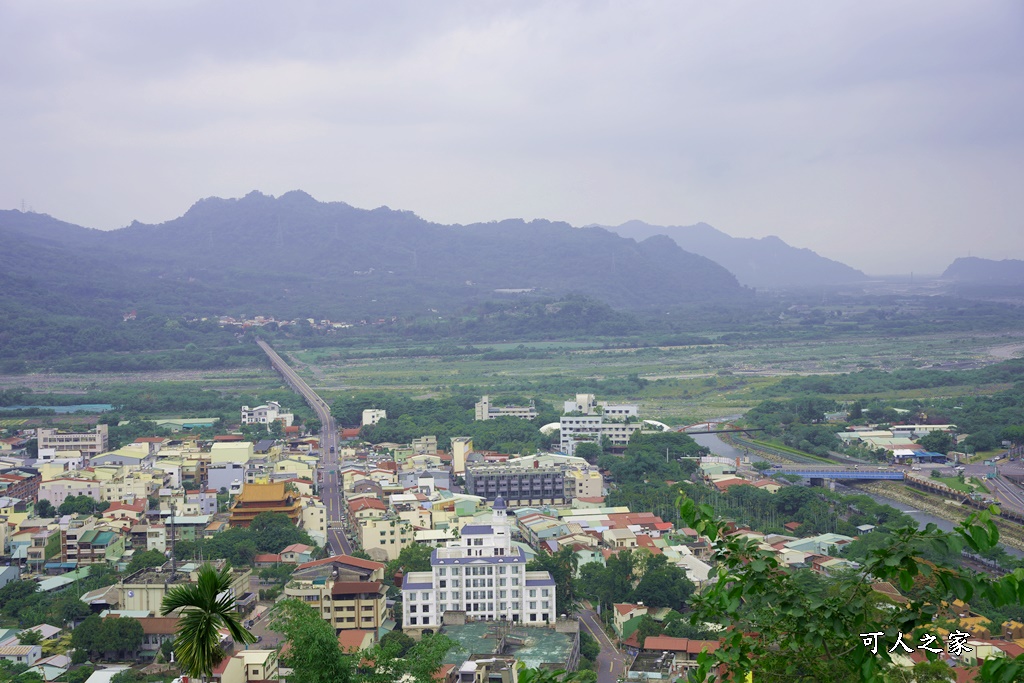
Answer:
(293, 256)
(986, 271)
(767, 262)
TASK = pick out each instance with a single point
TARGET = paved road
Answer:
(611, 664)
(330, 491)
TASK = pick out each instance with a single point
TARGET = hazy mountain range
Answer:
(767, 262)
(294, 256)
(985, 271)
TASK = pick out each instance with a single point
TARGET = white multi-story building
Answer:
(586, 419)
(480, 574)
(266, 414)
(485, 411)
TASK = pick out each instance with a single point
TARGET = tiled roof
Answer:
(344, 559)
(688, 645)
(355, 587)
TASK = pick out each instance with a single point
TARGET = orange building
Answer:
(257, 498)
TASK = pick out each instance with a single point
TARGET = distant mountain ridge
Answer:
(767, 262)
(985, 271)
(294, 256)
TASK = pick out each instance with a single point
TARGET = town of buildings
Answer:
(164, 491)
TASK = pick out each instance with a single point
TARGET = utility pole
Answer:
(174, 559)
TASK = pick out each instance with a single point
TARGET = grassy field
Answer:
(685, 383)
(688, 384)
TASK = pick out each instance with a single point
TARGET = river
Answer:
(720, 448)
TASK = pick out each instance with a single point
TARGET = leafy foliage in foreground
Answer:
(785, 629)
(314, 656)
(206, 607)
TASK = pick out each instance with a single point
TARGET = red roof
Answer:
(344, 559)
(591, 499)
(688, 645)
(646, 542)
(349, 433)
(294, 429)
(119, 505)
(158, 625)
(444, 672)
(228, 437)
(267, 557)
(366, 504)
(625, 608)
(151, 439)
(355, 587)
(352, 639)
(726, 484)
(297, 548)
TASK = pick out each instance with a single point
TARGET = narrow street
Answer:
(611, 664)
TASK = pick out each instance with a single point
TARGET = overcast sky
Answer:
(887, 135)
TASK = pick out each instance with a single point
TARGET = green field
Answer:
(687, 383)
(684, 383)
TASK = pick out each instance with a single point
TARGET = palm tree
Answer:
(206, 606)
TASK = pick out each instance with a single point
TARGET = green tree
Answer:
(937, 442)
(144, 559)
(28, 637)
(402, 642)
(647, 627)
(662, 584)
(206, 607)
(527, 675)
(562, 567)
(44, 508)
(413, 558)
(589, 451)
(273, 532)
(762, 466)
(53, 546)
(82, 505)
(1014, 434)
(783, 627)
(314, 655)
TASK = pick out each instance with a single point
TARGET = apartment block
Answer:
(485, 410)
(265, 414)
(383, 539)
(343, 604)
(518, 486)
(89, 443)
(87, 543)
(481, 576)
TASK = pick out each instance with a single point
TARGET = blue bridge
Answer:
(824, 472)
